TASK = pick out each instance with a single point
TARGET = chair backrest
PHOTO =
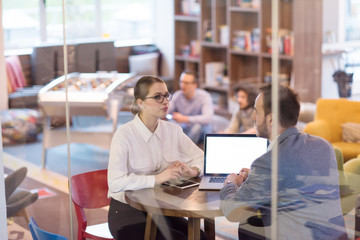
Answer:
(336, 112)
(40, 234)
(13, 180)
(89, 190)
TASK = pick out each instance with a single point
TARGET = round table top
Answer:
(171, 201)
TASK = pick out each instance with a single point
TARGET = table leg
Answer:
(194, 228)
(150, 228)
(209, 224)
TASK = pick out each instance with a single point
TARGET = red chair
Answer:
(89, 190)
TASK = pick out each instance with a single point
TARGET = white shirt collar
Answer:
(145, 133)
(273, 142)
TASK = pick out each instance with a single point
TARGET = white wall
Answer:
(331, 18)
(164, 34)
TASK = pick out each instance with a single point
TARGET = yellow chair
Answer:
(330, 115)
(349, 180)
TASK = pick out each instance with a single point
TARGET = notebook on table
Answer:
(229, 153)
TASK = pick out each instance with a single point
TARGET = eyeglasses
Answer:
(160, 98)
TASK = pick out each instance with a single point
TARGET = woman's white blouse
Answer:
(137, 155)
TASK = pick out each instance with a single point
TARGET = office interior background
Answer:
(322, 37)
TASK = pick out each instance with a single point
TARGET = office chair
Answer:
(89, 190)
(40, 234)
(17, 199)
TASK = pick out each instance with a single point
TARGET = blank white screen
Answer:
(226, 155)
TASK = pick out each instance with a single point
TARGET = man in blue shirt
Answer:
(308, 180)
(192, 107)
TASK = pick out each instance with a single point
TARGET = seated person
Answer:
(241, 121)
(145, 152)
(308, 205)
(192, 107)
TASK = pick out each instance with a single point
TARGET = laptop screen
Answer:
(229, 153)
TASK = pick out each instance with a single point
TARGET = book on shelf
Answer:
(191, 50)
(247, 40)
(224, 34)
(247, 3)
(195, 48)
(214, 73)
(190, 7)
(286, 41)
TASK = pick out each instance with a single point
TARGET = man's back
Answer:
(308, 188)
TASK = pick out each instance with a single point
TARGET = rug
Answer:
(17, 232)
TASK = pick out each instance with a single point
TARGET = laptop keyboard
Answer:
(217, 179)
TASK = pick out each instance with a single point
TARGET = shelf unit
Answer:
(187, 31)
(300, 24)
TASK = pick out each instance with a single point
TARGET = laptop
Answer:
(229, 153)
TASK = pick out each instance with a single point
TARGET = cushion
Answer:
(20, 125)
(307, 112)
(351, 132)
(144, 64)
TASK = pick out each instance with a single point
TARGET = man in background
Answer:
(308, 181)
(192, 107)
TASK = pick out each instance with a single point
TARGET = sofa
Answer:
(349, 177)
(338, 121)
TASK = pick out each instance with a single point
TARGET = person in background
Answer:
(241, 121)
(192, 107)
(145, 152)
(308, 180)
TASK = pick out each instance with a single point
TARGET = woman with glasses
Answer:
(145, 152)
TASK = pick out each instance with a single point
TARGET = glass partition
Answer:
(256, 41)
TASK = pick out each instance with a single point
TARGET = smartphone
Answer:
(168, 116)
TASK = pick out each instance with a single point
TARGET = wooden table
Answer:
(170, 201)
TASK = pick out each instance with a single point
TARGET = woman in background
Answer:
(241, 121)
(145, 152)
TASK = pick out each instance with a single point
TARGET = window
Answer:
(36, 22)
(21, 23)
(352, 20)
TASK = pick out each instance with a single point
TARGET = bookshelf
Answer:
(234, 38)
(187, 35)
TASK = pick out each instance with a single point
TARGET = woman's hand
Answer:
(176, 171)
(172, 173)
(186, 171)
